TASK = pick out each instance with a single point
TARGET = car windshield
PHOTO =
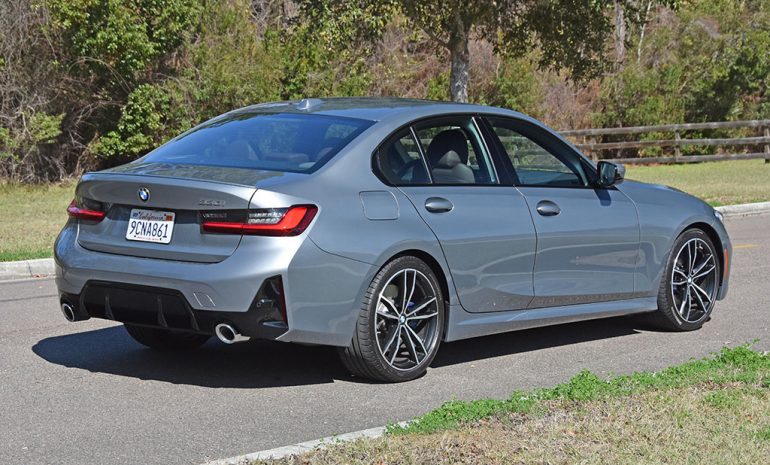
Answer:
(299, 143)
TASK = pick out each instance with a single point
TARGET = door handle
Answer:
(438, 205)
(548, 208)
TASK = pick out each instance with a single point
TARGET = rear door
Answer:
(484, 228)
(587, 237)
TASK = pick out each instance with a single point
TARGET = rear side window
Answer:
(400, 161)
(299, 143)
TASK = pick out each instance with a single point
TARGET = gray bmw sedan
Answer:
(382, 227)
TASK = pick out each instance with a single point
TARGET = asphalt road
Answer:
(86, 393)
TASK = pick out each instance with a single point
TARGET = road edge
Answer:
(43, 267)
(744, 209)
(303, 447)
(26, 269)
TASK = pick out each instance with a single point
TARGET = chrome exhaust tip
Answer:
(228, 334)
(68, 311)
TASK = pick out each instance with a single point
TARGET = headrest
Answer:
(448, 161)
(445, 141)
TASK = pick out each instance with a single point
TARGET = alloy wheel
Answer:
(694, 280)
(406, 319)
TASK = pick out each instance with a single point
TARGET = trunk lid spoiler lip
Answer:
(247, 177)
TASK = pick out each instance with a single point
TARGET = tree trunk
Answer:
(620, 33)
(458, 77)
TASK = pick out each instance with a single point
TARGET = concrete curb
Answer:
(745, 209)
(26, 269)
(45, 267)
(302, 447)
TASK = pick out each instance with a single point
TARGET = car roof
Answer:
(371, 108)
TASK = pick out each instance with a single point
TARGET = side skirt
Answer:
(464, 325)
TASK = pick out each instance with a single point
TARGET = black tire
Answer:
(364, 357)
(164, 339)
(668, 316)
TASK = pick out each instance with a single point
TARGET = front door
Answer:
(587, 237)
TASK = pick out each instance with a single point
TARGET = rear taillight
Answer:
(289, 221)
(82, 210)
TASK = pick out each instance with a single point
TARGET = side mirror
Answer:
(610, 174)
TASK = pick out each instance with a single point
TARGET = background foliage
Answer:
(93, 83)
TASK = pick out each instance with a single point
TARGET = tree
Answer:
(567, 34)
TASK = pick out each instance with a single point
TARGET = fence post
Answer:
(767, 145)
(594, 155)
(677, 150)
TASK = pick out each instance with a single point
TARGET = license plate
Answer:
(150, 226)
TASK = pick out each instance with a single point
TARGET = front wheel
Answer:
(164, 339)
(690, 284)
(399, 325)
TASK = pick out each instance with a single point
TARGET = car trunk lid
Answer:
(183, 197)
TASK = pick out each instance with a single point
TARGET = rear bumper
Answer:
(322, 291)
(168, 309)
(226, 286)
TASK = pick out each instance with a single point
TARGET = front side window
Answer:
(266, 141)
(455, 153)
(534, 164)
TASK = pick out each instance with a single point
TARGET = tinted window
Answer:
(534, 164)
(400, 161)
(277, 142)
(455, 153)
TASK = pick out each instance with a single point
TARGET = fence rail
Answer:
(751, 147)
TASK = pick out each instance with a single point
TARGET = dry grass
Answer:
(30, 218)
(698, 425)
(711, 411)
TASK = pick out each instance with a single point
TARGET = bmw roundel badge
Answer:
(144, 194)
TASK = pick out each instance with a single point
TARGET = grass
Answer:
(32, 215)
(718, 183)
(30, 218)
(715, 411)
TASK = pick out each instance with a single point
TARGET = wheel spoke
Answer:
(422, 317)
(403, 291)
(678, 283)
(420, 307)
(704, 273)
(702, 265)
(390, 342)
(389, 304)
(704, 293)
(702, 305)
(684, 301)
(385, 314)
(411, 292)
(692, 251)
(422, 345)
(689, 305)
(411, 346)
(398, 346)
(676, 270)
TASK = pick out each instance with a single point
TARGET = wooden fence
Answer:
(751, 147)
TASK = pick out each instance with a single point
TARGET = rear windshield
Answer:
(299, 143)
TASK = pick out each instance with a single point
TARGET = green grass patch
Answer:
(713, 410)
(30, 218)
(737, 365)
(718, 183)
